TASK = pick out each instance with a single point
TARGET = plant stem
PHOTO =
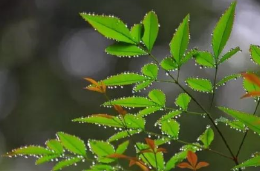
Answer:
(214, 86)
(208, 114)
(178, 74)
(245, 135)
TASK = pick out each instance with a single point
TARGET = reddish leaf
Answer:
(104, 116)
(150, 143)
(101, 88)
(147, 151)
(201, 164)
(163, 150)
(252, 78)
(92, 81)
(251, 94)
(192, 158)
(120, 110)
(119, 156)
(184, 165)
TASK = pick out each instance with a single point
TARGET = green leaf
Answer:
(162, 141)
(157, 96)
(47, 158)
(255, 53)
(142, 85)
(180, 40)
(72, 143)
(207, 137)
(205, 59)
(134, 122)
(251, 121)
(150, 70)
(169, 64)
(174, 160)
(137, 32)
(131, 102)
(255, 161)
(55, 145)
(124, 79)
(183, 101)
(223, 30)
(229, 54)
(101, 120)
(199, 84)
(148, 111)
(169, 116)
(125, 50)
(102, 149)
(151, 28)
(249, 86)
(188, 55)
(102, 167)
(110, 27)
(150, 156)
(122, 134)
(122, 147)
(235, 124)
(66, 163)
(227, 78)
(171, 128)
(30, 150)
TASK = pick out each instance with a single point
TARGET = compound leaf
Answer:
(223, 30)
(151, 28)
(72, 143)
(199, 84)
(125, 50)
(180, 40)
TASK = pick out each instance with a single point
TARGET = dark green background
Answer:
(46, 49)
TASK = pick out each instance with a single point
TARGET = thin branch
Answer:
(214, 86)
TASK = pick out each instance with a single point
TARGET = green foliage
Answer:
(125, 50)
(151, 28)
(183, 101)
(200, 84)
(171, 128)
(251, 121)
(180, 40)
(223, 30)
(69, 150)
(255, 53)
(207, 137)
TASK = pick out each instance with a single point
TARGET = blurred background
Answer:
(46, 49)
